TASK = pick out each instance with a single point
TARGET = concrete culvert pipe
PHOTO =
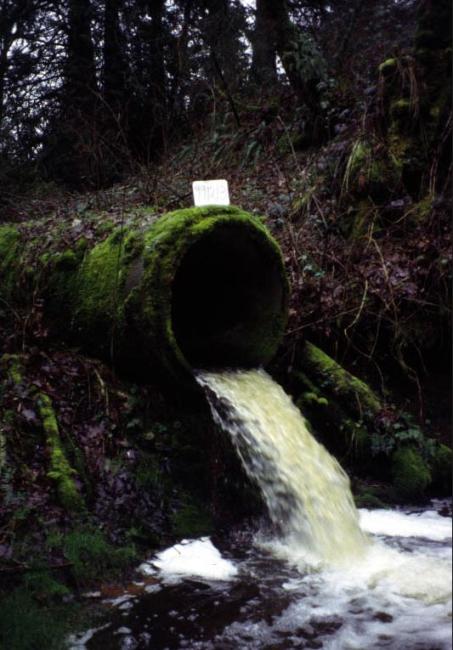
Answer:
(202, 287)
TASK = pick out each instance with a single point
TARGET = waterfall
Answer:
(307, 492)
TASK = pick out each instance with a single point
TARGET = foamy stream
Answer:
(330, 576)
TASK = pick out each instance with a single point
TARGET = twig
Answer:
(227, 90)
(359, 312)
(22, 568)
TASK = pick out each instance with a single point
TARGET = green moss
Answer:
(191, 520)
(43, 585)
(106, 226)
(366, 213)
(401, 110)
(368, 172)
(92, 557)
(9, 237)
(388, 67)
(117, 297)
(11, 366)
(398, 147)
(336, 417)
(333, 408)
(148, 473)
(81, 245)
(58, 281)
(98, 286)
(27, 624)
(67, 260)
(166, 244)
(423, 208)
(407, 154)
(9, 260)
(410, 474)
(356, 438)
(441, 469)
(310, 398)
(60, 470)
(336, 380)
(307, 393)
(367, 499)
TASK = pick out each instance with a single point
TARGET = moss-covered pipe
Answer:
(201, 287)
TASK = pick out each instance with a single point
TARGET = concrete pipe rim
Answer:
(226, 294)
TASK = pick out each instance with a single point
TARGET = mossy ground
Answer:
(27, 624)
(9, 269)
(331, 376)
(192, 519)
(91, 557)
(144, 485)
(41, 608)
(411, 475)
(367, 434)
(60, 470)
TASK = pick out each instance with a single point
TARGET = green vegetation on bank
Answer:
(42, 610)
(351, 176)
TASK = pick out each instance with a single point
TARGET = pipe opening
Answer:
(228, 299)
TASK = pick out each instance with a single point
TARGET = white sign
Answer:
(211, 193)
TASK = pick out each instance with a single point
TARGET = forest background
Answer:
(331, 120)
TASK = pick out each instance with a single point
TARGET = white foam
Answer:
(390, 599)
(147, 569)
(428, 524)
(120, 600)
(412, 591)
(197, 557)
(78, 641)
(397, 596)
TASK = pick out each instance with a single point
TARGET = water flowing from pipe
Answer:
(338, 589)
(306, 491)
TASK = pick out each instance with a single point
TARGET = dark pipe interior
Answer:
(227, 298)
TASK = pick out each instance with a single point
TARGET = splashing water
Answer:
(306, 491)
(340, 588)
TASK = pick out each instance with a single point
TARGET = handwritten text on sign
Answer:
(211, 193)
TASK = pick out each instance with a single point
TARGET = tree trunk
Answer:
(114, 72)
(148, 114)
(264, 68)
(3, 71)
(72, 145)
(13, 16)
(221, 34)
(180, 74)
(81, 84)
(300, 58)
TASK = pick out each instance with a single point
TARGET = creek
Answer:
(322, 575)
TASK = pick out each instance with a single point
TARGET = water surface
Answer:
(398, 597)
